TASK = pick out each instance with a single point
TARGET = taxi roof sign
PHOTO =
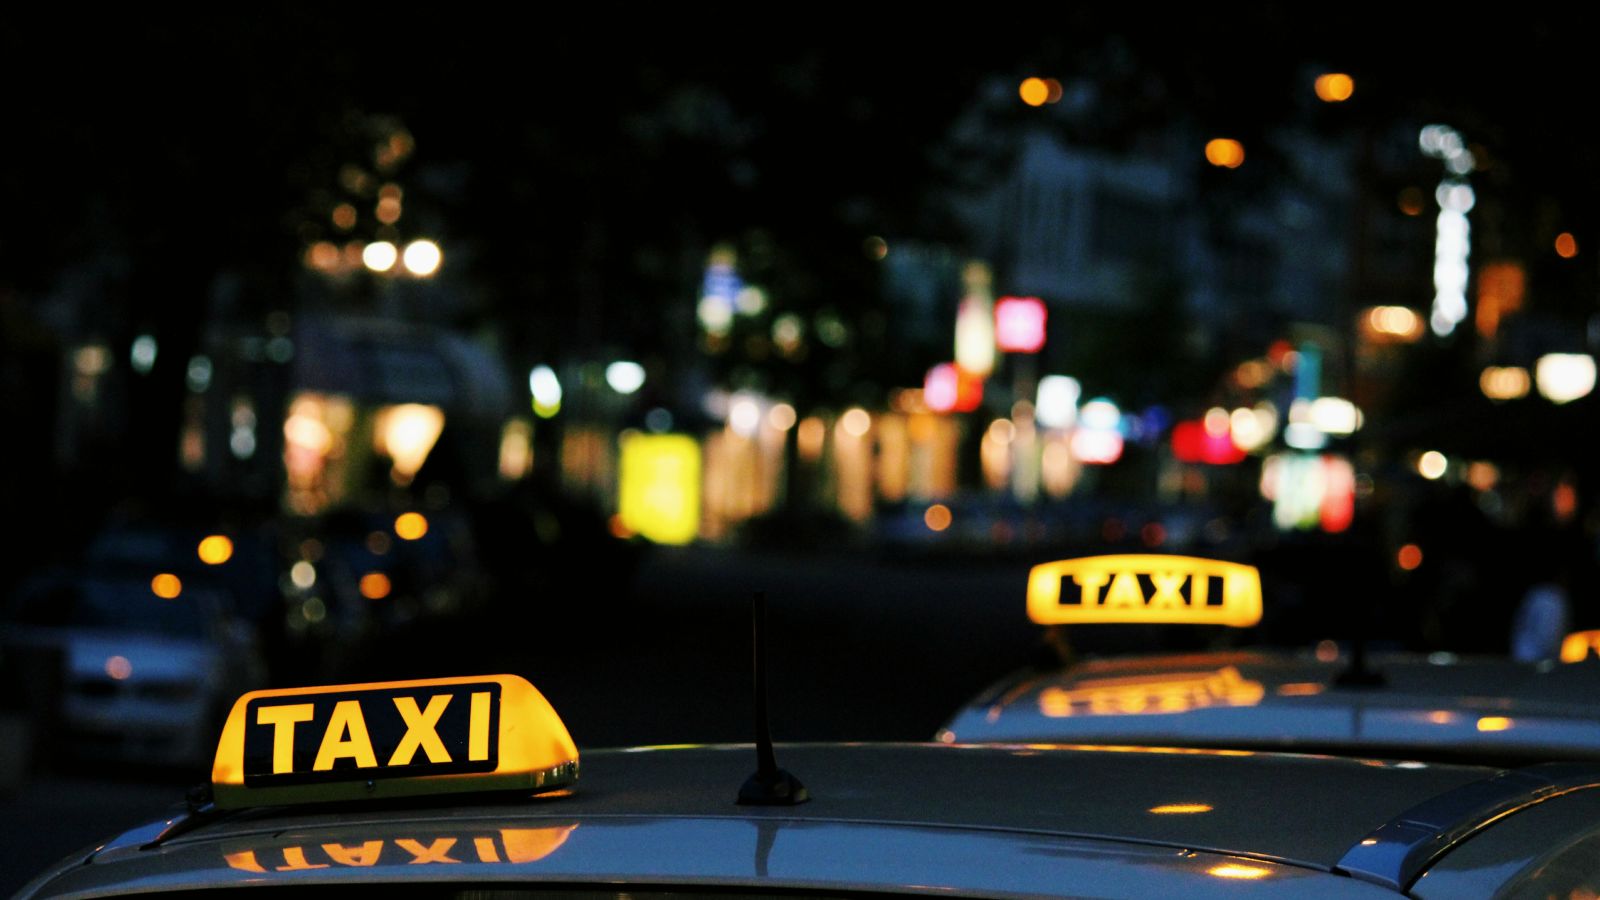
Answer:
(1144, 588)
(390, 739)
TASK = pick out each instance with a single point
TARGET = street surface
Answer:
(860, 650)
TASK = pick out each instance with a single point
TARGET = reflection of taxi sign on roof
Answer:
(1144, 589)
(391, 739)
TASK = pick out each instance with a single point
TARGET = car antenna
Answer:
(770, 785)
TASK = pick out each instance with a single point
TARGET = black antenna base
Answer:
(775, 788)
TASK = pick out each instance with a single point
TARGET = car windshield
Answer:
(117, 604)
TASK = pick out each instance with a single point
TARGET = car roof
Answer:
(990, 820)
(1438, 706)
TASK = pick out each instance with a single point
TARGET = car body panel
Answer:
(1469, 706)
(1550, 849)
(1014, 820)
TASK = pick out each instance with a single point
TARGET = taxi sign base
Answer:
(774, 788)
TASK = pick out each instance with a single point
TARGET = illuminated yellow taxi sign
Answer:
(1144, 588)
(391, 739)
(1579, 646)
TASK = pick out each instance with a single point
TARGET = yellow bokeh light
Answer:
(422, 258)
(375, 586)
(1334, 87)
(215, 550)
(938, 517)
(1494, 723)
(1180, 809)
(1034, 91)
(1225, 152)
(782, 417)
(344, 217)
(1234, 870)
(1566, 245)
(166, 586)
(411, 526)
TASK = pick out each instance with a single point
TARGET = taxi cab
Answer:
(459, 786)
(1437, 706)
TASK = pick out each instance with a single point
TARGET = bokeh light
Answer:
(375, 586)
(166, 586)
(1034, 91)
(411, 526)
(1334, 87)
(215, 550)
(379, 256)
(937, 517)
(1225, 153)
(1566, 245)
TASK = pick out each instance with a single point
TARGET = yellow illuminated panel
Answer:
(659, 486)
(1180, 809)
(1144, 589)
(1579, 645)
(1494, 723)
(1151, 695)
(391, 739)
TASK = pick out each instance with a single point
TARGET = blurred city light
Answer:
(1019, 324)
(1566, 245)
(214, 550)
(1412, 201)
(1397, 324)
(166, 586)
(1225, 153)
(875, 247)
(1502, 286)
(744, 416)
(375, 586)
(659, 486)
(406, 433)
(546, 390)
(1057, 402)
(1409, 558)
(975, 336)
(1494, 723)
(198, 373)
(1100, 414)
(1564, 377)
(344, 217)
(1252, 429)
(1505, 382)
(937, 517)
(410, 526)
(781, 416)
(1335, 415)
(625, 376)
(856, 422)
(810, 437)
(142, 355)
(422, 258)
(1034, 91)
(1096, 447)
(516, 449)
(1452, 244)
(118, 668)
(303, 574)
(1432, 465)
(379, 256)
(1334, 87)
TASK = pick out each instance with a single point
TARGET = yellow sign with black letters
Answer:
(1144, 588)
(387, 739)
